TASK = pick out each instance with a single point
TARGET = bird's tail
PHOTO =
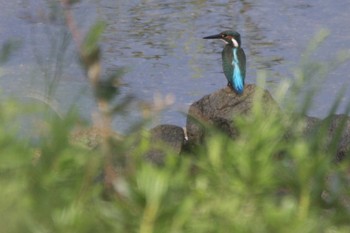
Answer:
(238, 83)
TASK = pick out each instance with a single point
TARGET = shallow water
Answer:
(159, 42)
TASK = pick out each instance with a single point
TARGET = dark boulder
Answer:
(339, 123)
(220, 108)
(311, 123)
(338, 133)
(165, 137)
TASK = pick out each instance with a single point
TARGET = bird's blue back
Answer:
(234, 66)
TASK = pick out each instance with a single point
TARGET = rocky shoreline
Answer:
(218, 109)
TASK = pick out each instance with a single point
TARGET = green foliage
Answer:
(8, 48)
(108, 88)
(46, 187)
(93, 36)
(269, 179)
(90, 49)
(259, 182)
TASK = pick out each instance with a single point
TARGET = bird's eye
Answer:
(223, 35)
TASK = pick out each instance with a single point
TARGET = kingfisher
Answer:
(233, 59)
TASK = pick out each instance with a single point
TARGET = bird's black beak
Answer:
(217, 36)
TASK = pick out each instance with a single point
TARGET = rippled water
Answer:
(160, 44)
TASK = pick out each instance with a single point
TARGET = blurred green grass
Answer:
(258, 182)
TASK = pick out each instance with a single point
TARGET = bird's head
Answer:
(229, 37)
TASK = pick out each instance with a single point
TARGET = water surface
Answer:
(159, 42)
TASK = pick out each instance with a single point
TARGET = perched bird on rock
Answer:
(233, 59)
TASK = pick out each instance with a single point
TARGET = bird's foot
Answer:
(230, 85)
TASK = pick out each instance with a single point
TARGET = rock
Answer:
(342, 121)
(220, 108)
(333, 122)
(310, 124)
(170, 136)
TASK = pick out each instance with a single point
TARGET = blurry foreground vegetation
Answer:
(259, 182)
